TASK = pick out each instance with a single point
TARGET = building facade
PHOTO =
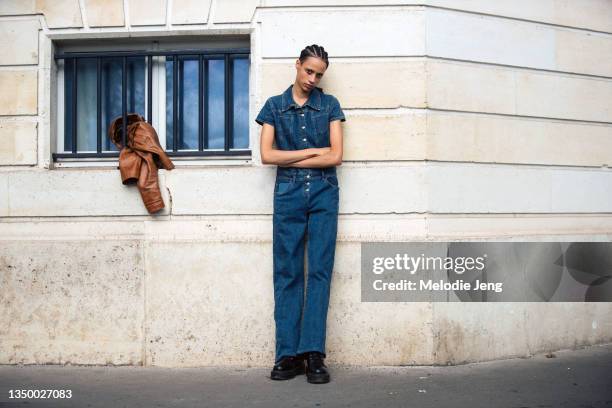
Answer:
(466, 120)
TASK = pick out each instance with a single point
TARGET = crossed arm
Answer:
(312, 157)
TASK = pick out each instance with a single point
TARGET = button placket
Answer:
(303, 126)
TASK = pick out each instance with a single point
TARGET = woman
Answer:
(305, 124)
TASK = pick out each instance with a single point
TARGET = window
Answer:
(196, 99)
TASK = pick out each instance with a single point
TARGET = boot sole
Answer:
(318, 379)
(286, 375)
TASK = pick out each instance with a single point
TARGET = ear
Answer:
(297, 63)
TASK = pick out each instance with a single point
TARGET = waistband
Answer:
(295, 173)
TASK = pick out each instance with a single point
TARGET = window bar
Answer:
(205, 110)
(203, 99)
(74, 105)
(230, 69)
(174, 101)
(150, 89)
(200, 104)
(227, 100)
(107, 96)
(182, 153)
(124, 100)
(130, 78)
(215, 51)
(99, 103)
(181, 101)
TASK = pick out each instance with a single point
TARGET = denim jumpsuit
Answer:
(305, 210)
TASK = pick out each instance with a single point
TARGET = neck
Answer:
(299, 93)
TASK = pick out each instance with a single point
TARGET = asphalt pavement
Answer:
(576, 378)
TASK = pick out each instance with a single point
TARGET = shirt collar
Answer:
(314, 100)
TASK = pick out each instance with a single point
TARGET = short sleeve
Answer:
(265, 114)
(335, 112)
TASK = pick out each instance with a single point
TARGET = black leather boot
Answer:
(316, 371)
(287, 368)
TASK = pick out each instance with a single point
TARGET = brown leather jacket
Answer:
(140, 159)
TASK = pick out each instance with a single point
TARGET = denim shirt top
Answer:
(301, 127)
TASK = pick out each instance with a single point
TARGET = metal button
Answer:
(301, 114)
(304, 139)
(306, 189)
(307, 183)
(303, 127)
(308, 176)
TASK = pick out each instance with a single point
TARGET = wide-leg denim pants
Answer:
(305, 210)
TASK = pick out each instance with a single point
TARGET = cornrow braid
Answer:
(314, 50)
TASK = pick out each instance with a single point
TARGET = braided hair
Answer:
(314, 50)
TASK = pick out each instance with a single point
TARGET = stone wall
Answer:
(465, 120)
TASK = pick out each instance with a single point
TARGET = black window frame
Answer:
(203, 56)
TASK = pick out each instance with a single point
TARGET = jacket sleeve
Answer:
(265, 115)
(145, 139)
(148, 183)
(336, 112)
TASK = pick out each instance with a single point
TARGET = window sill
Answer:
(179, 162)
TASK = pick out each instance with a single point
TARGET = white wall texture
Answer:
(466, 119)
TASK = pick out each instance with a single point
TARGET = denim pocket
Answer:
(332, 181)
(282, 187)
(286, 125)
(321, 123)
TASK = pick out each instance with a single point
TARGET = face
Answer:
(309, 72)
